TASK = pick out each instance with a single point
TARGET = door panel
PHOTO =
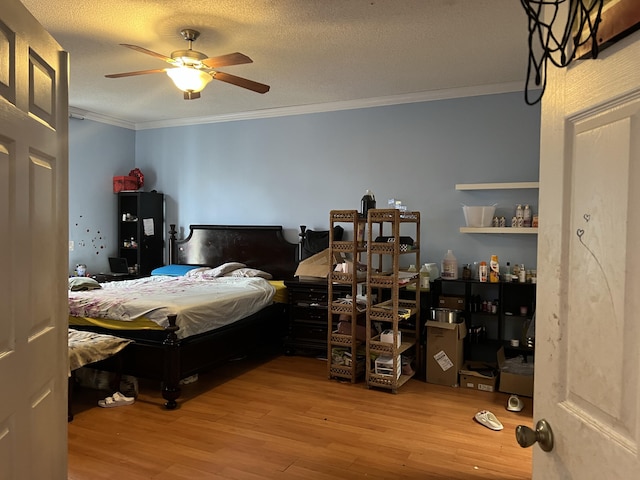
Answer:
(587, 351)
(33, 249)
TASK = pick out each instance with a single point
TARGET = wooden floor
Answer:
(280, 417)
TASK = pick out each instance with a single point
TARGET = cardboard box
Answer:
(318, 266)
(315, 267)
(445, 352)
(479, 376)
(516, 376)
(124, 183)
(454, 302)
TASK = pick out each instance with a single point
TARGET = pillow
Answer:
(83, 283)
(173, 270)
(223, 269)
(249, 272)
(196, 272)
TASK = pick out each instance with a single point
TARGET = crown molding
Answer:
(419, 97)
(80, 114)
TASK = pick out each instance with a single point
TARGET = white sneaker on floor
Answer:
(115, 400)
(488, 419)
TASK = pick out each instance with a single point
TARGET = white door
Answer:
(587, 383)
(33, 248)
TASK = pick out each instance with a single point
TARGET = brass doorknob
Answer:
(542, 434)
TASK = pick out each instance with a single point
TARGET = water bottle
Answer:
(449, 266)
(367, 202)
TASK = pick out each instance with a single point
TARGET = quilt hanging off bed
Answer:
(201, 304)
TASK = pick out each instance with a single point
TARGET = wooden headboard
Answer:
(261, 247)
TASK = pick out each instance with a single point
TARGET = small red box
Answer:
(124, 183)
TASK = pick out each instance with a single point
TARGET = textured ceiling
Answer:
(310, 52)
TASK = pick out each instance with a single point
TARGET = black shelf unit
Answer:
(488, 331)
(140, 245)
(308, 307)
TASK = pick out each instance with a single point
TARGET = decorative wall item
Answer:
(571, 25)
(619, 18)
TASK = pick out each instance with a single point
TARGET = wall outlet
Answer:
(71, 245)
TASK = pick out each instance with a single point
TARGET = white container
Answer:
(384, 366)
(434, 272)
(387, 337)
(425, 278)
(479, 216)
(449, 266)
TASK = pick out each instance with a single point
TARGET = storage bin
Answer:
(124, 183)
(479, 216)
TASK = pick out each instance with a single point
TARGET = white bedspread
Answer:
(201, 304)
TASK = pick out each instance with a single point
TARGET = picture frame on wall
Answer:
(619, 18)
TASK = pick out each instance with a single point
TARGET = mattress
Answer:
(200, 304)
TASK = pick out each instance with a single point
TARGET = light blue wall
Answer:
(97, 153)
(292, 170)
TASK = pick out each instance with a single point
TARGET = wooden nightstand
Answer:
(308, 322)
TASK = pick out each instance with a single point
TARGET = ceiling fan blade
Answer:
(140, 72)
(149, 52)
(241, 82)
(236, 58)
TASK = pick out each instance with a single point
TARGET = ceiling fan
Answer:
(193, 70)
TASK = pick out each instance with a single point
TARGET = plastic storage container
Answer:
(479, 216)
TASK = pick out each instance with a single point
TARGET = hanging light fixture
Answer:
(190, 80)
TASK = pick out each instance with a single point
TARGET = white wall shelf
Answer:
(514, 230)
(497, 186)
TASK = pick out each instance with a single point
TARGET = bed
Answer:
(169, 352)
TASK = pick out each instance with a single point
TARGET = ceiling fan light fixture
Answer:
(189, 79)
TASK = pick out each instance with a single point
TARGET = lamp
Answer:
(190, 80)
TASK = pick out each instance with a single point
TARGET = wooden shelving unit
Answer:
(345, 353)
(400, 317)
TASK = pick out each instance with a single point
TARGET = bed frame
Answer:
(161, 355)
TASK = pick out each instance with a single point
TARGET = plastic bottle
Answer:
(494, 270)
(412, 268)
(449, 266)
(507, 273)
(367, 202)
(522, 277)
(483, 271)
(526, 216)
(515, 277)
(425, 278)
(519, 216)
